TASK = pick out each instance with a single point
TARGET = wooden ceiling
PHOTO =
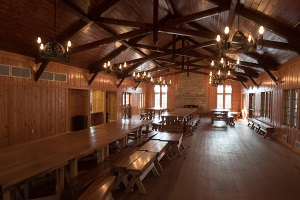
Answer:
(155, 35)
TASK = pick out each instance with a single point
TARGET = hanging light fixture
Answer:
(54, 50)
(160, 81)
(142, 77)
(114, 69)
(117, 69)
(237, 42)
(222, 71)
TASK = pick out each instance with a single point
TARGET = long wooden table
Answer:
(22, 162)
(177, 119)
(152, 110)
(219, 115)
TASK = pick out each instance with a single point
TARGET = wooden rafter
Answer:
(41, 70)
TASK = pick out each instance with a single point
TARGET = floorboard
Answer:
(226, 163)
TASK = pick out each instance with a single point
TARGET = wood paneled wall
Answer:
(31, 110)
(288, 78)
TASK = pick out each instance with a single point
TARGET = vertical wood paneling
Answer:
(2, 115)
(288, 77)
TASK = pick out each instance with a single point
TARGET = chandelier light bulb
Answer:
(108, 64)
(138, 75)
(226, 31)
(104, 66)
(249, 38)
(41, 46)
(261, 30)
(218, 38)
(125, 65)
(39, 40)
(210, 74)
(228, 73)
(238, 61)
(133, 74)
(219, 72)
(69, 43)
(212, 63)
(120, 66)
(222, 60)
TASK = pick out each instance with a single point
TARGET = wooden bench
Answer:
(100, 189)
(137, 165)
(174, 140)
(230, 120)
(158, 147)
(81, 182)
(261, 127)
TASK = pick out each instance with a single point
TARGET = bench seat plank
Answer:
(99, 189)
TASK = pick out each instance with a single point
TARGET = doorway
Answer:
(251, 105)
(111, 106)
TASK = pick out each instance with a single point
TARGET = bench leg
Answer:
(122, 177)
(136, 180)
(158, 165)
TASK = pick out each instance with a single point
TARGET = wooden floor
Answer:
(225, 163)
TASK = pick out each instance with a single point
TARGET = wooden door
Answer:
(111, 106)
(251, 105)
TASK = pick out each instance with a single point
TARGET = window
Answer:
(157, 96)
(164, 96)
(126, 99)
(291, 108)
(141, 100)
(161, 96)
(287, 108)
(295, 108)
(265, 104)
(224, 96)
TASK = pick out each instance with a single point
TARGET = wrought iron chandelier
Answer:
(160, 81)
(53, 50)
(114, 69)
(222, 71)
(237, 42)
(142, 77)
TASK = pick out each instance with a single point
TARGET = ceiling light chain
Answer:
(54, 50)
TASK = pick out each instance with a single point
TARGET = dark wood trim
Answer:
(41, 70)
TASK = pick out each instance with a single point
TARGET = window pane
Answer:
(220, 101)
(228, 89)
(228, 101)
(157, 100)
(220, 89)
(164, 89)
(295, 108)
(157, 89)
(287, 107)
(164, 100)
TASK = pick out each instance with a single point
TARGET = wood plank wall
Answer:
(288, 78)
(31, 110)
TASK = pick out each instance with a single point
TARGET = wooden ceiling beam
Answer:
(279, 45)
(188, 32)
(195, 16)
(97, 10)
(41, 70)
(171, 7)
(254, 82)
(72, 31)
(270, 23)
(121, 22)
(104, 41)
(265, 61)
